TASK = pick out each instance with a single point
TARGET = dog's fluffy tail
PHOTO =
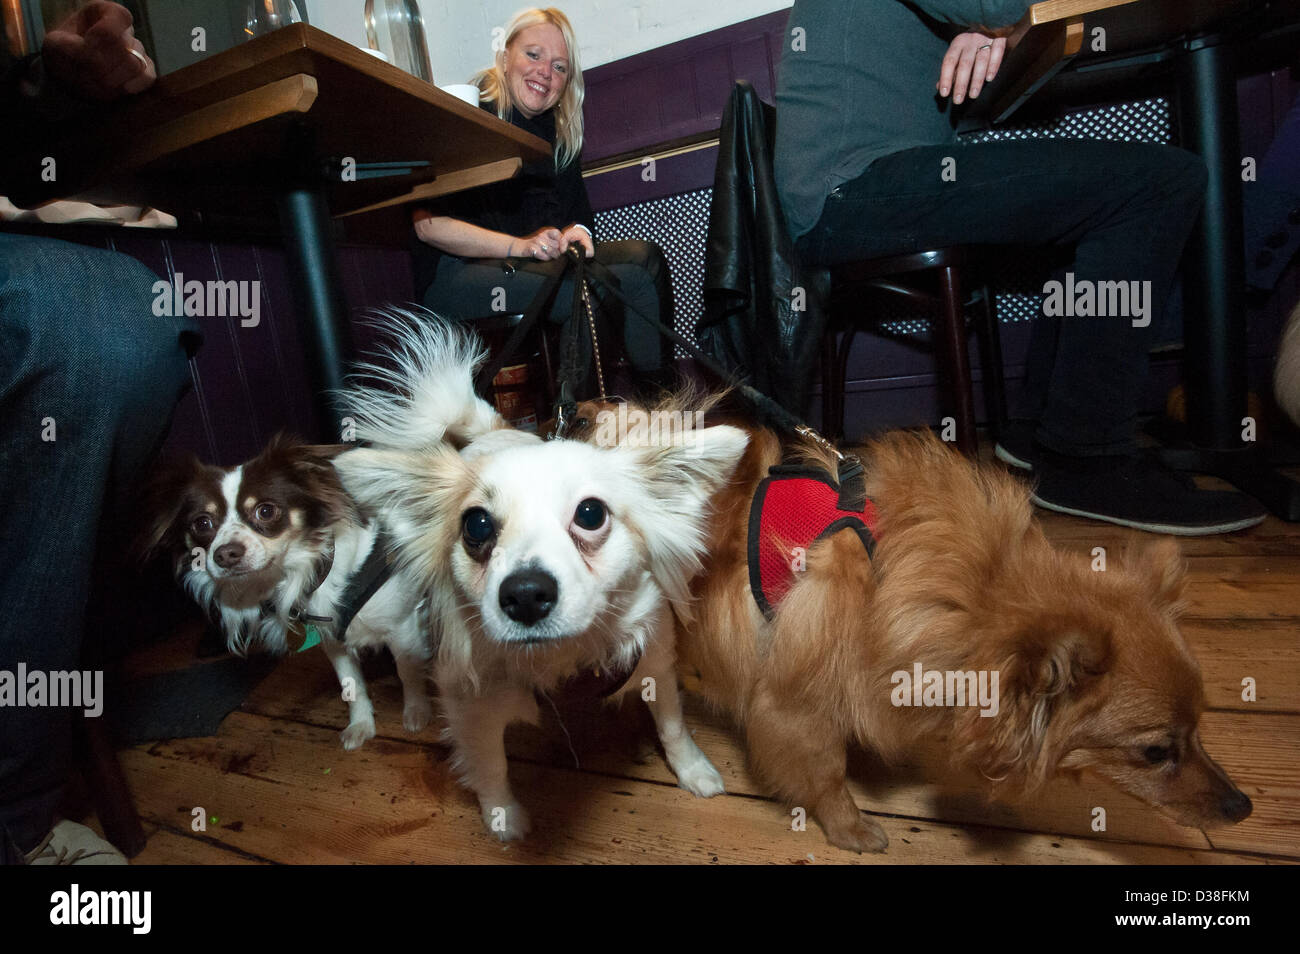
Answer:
(425, 395)
(1286, 378)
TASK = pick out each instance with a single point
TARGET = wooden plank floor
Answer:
(282, 789)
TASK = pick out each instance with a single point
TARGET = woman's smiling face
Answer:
(537, 68)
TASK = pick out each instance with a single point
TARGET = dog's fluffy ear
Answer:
(164, 499)
(679, 478)
(311, 468)
(416, 493)
(314, 469)
(1162, 570)
(1046, 669)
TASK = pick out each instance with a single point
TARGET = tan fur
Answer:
(1093, 671)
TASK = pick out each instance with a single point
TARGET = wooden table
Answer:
(1201, 42)
(271, 125)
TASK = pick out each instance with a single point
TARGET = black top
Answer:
(536, 198)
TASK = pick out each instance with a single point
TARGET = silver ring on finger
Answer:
(139, 56)
(986, 46)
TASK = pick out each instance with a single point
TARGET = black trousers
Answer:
(471, 288)
(1126, 208)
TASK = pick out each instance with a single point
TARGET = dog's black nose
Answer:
(228, 554)
(1235, 805)
(526, 596)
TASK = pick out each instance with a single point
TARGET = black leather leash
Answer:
(374, 573)
(570, 373)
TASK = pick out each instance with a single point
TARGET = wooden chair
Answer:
(903, 278)
(931, 278)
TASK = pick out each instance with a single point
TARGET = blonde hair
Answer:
(568, 111)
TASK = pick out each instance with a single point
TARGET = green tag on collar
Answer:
(311, 637)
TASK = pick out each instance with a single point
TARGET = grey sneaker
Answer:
(1139, 492)
(1015, 445)
(71, 844)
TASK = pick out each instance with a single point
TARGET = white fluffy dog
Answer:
(546, 560)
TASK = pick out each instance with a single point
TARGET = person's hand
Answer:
(542, 246)
(577, 235)
(96, 55)
(972, 60)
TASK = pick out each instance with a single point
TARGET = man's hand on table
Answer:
(972, 60)
(94, 53)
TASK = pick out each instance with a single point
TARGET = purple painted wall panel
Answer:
(250, 382)
(673, 175)
(677, 90)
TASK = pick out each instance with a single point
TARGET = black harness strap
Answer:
(373, 574)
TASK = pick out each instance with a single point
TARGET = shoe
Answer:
(1139, 492)
(71, 844)
(1015, 445)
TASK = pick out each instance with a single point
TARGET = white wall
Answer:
(460, 31)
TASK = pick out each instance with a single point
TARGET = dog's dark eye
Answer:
(1155, 754)
(477, 527)
(202, 525)
(266, 512)
(590, 515)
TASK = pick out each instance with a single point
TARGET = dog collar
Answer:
(597, 682)
(305, 630)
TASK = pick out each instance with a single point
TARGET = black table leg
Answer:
(1215, 333)
(317, 283)
(1215, 326)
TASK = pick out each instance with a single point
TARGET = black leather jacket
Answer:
(751, 275)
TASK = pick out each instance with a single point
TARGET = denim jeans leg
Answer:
(1125, 209)
(88, 380)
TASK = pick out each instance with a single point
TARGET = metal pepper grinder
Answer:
(395, 29)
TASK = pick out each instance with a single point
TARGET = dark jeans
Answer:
(467, 288)
(80, 352)
(1126, 208)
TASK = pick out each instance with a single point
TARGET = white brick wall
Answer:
(460, 31)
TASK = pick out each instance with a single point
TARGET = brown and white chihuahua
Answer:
(271, 546)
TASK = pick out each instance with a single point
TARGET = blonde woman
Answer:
(503, 235)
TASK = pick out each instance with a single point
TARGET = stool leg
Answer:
(995, 385)
(957, 360)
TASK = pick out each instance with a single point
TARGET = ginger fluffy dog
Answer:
(1093, 673)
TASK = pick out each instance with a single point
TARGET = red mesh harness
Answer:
(793, 508)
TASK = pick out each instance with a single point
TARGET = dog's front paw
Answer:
(863, 836)
(701, 778)
(508, 822)
(356, 734)
(417, 714)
